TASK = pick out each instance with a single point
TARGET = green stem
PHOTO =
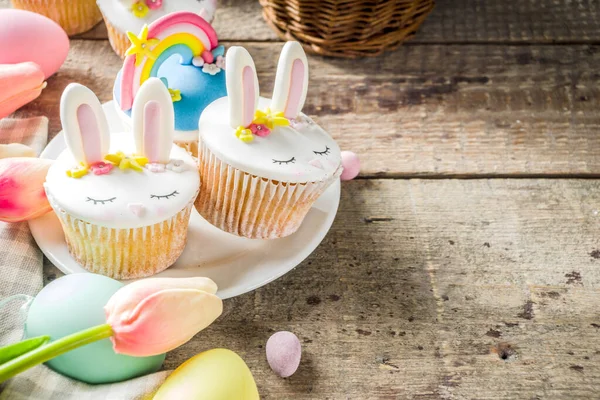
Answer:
(53, 349)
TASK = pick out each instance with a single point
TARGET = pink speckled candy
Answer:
(27, 36)
(351, 165)
(283, 353)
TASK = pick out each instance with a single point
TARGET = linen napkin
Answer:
(21, 264)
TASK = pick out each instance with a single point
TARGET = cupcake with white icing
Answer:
(262, 162)
(123, 200)
(122, 16)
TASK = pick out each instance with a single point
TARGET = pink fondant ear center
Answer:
(90, 134)
(249, 95)
(296, 86)
(151, 131)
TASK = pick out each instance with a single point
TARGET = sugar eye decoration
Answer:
(166, 196)
(281, 162)
(323, 153)
(96, 201)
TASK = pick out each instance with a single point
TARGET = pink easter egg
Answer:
(27, 36)
(351, 165)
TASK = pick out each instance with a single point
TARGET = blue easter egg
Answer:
(76, 302)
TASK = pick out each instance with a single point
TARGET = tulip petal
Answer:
(128, 297)
(163, 321)
(22, 194)
(16, 150)
(19, 84)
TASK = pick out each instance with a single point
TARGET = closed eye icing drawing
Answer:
(96, 201)
(324, 152)
(281, 162)
(166, 196)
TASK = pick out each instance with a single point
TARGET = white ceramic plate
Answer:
(236, 264)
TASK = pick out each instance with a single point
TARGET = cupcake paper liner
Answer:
(191, 147)
(251, 206)
(73, 16)
(118, 40)
(125, 253)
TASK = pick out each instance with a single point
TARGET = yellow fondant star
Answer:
(270, 119)
(78, 172)
(124, 161)
(244, 134)
(141, 46)
(175, 95)
(140, 9)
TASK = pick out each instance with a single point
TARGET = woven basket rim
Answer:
(346, 28)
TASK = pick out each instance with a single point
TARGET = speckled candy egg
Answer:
(217, 374)
(283, 353)
(27, 36)
(74, 303)
(351, 165)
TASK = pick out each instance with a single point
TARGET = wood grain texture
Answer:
(434, 289)
(456, 21)
(434, 111)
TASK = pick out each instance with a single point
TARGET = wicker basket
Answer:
(346, 28)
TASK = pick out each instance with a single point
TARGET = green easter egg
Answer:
(76, 302)
(217, 374)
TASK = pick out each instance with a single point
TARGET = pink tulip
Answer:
(144, 318)
(153, 316)
(22, 194)
(19, 84)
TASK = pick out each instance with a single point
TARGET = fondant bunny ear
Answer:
(84, 124)
(291, 81)
(153, 121)
(242, 87)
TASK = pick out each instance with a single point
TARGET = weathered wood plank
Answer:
(457, 21)
(436, 289)
(425, 110)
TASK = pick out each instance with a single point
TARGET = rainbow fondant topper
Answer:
(183, 33)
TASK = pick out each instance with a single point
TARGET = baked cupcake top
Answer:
(132, 15)
(121, 180)
(182, 49)
(269, 138)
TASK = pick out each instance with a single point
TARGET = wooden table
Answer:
(465, 260)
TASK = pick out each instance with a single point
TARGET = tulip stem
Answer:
(53, 349)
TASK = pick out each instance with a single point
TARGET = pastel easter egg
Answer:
(283, 353)
(27, 36)
(22, 194)
(351, 165)
(76, 302)
(217, 374)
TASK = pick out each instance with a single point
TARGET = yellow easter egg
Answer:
(217, 374)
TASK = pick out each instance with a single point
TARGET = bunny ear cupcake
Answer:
(262, 162)
(122, 16)
(123, 201)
